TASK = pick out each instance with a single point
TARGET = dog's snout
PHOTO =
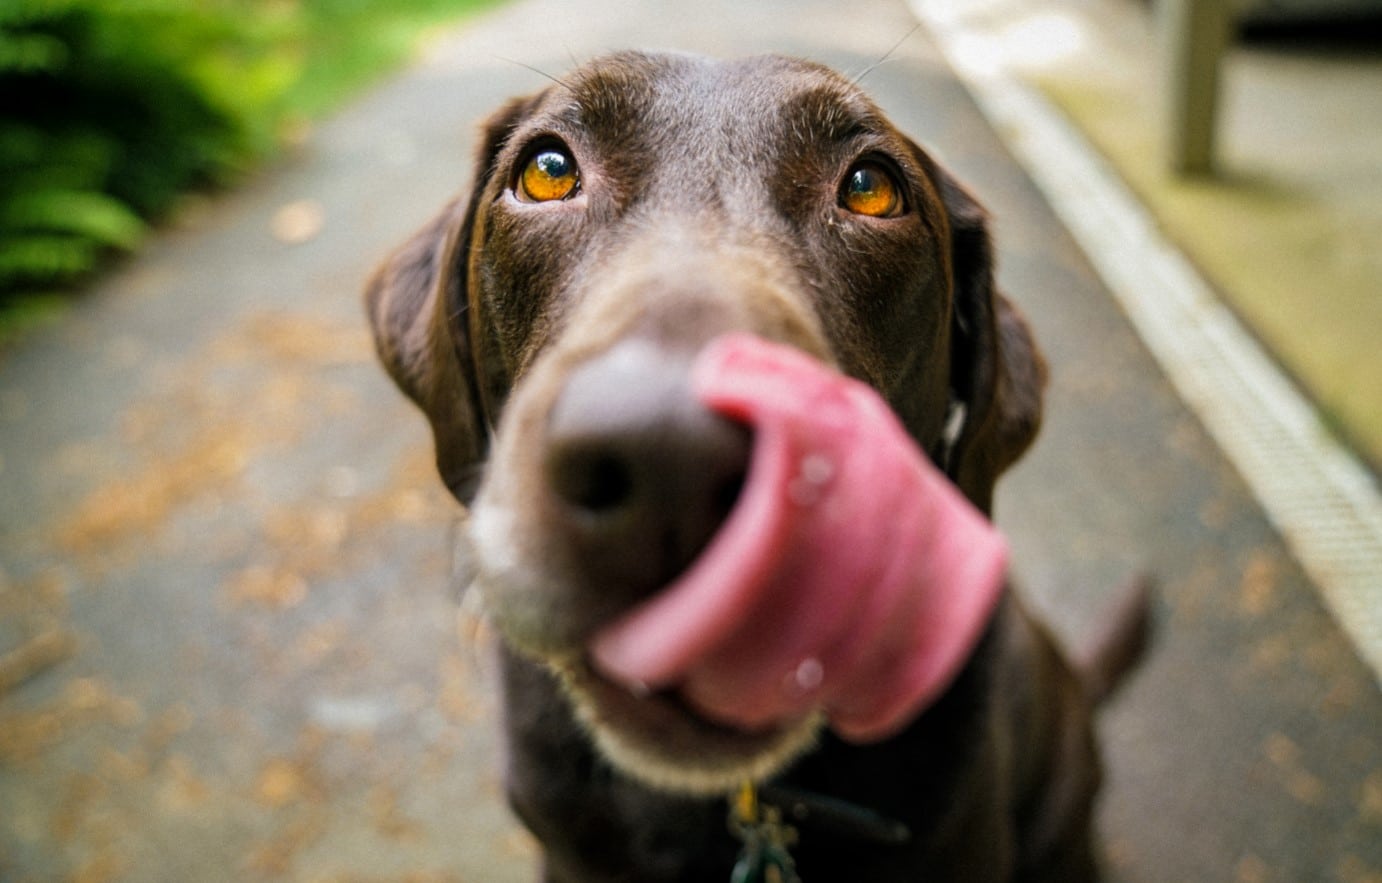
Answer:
(642, 474)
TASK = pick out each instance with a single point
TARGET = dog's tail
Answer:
(1111, 653)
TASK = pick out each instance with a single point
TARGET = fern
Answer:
(31, 261)
(31, 53)
(108, 110)
(95, 216)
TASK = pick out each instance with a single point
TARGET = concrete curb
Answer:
(1320, 497)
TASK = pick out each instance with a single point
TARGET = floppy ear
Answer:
(418, 302)
(997, 373)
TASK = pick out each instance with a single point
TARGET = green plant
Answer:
(108, 110)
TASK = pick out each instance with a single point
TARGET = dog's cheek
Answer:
(522, 563)
(526, 263)
(886, 304)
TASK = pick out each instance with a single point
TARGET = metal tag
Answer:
(764, 857)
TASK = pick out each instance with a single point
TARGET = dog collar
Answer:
(765, 841)
(758, 818)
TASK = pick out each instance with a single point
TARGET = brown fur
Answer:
(708, 203)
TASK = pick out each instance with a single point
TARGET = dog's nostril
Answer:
(726, 494)
(594, 481)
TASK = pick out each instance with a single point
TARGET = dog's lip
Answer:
(662, 707)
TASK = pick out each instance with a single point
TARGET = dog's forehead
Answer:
(639, 92)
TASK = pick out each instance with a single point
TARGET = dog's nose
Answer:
(642, 473)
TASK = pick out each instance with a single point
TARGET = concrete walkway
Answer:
(226, 561)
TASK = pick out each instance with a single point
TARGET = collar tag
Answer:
(764, 856)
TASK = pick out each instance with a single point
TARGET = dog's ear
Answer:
(418, 304)
(997, 373)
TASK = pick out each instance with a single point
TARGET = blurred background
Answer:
(114, 114)
(1252, 132)
(230, 646)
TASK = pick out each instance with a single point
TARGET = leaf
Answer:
(44, 257)
(31, 53)
(96, 216)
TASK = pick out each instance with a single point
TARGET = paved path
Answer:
(224, 551)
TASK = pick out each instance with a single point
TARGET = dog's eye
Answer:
(870, 189)
(550, 174)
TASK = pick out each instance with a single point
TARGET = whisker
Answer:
(537, 70)
(886, 55)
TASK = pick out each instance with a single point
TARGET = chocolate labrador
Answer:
(620, 220)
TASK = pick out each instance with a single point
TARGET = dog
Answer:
(620, 220)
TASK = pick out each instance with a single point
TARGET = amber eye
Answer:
(870, 189)
(550, 174)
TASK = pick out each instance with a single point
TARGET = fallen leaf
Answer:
(280, 783)
(35, 656)
(298, 222)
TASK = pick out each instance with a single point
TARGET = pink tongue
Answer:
(851, 577)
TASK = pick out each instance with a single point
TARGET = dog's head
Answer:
(619, 221)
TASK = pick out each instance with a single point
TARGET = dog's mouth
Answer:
(849, 579)
(660, 737)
